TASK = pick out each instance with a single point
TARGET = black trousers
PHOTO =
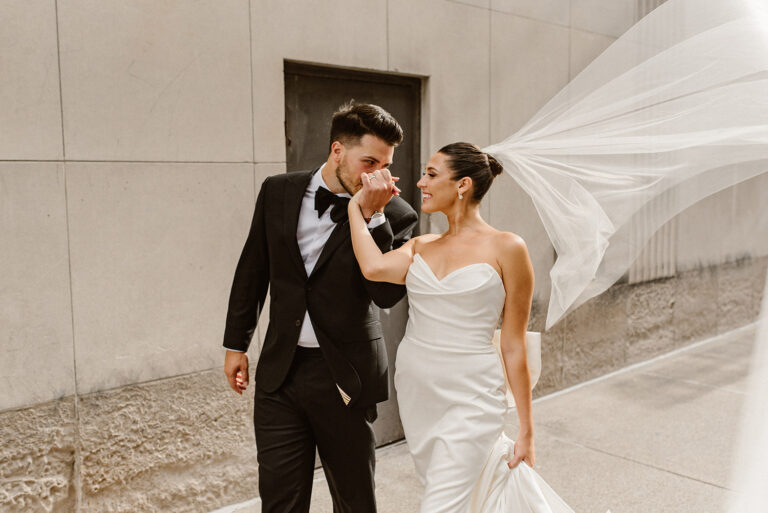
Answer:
(307, 412)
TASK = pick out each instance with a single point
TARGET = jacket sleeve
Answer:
(249, 286)
(389, 236)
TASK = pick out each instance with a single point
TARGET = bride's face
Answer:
(438, 188)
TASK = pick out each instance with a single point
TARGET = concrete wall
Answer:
(133, 139)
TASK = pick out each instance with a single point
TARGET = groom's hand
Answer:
(378, 189)
(236, 369)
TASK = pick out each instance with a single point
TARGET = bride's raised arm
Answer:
(375, 265)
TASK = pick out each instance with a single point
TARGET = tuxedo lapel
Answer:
(338, 235)
(294, 194)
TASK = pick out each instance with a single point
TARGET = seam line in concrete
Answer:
(391, 445)
(560, 25)
(250, 80)
(639, 365)
(97, 161)
(77, 477)
(157, 380)
(78, 452)
(253, 117)
(469, 5)
(648, 465)
(490, 81)
(61, 94)
(570, 44)
(546, 22)
(386, 17)
(695, 383)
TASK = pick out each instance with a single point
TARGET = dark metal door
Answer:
(312, 95)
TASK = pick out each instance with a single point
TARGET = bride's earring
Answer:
(460, 195)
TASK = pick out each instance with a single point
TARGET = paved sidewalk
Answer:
(655, 437)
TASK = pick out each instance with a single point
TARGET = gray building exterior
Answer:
(134, 137)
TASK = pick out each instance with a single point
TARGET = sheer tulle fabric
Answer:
(675, 110)
(750, 466)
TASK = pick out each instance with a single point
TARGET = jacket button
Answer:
(298, 322)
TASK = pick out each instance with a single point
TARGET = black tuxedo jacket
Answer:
(335, 293)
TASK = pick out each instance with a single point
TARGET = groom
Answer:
(323, 366)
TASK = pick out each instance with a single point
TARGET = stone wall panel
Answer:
(30, 113)
(35, 304)
(345, 33)
(585, 48)
(147, 80)
(456, 101)
(153, 250)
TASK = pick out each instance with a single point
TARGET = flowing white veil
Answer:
(674, 111)
(750, 470)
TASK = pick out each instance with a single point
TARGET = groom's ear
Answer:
(337, 151)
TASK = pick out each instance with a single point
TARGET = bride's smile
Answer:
(438, 189)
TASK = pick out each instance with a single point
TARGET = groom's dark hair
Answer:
(354, 120)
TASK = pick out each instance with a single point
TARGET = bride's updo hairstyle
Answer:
(467, 160)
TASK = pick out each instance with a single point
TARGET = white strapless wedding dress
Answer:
(451, 391)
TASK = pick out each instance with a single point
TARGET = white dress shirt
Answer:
(312, 233)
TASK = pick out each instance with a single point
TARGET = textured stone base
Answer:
(37, 459)
(183, 445)
(186, 444)
(631, 323)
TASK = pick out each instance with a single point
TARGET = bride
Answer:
(673, 111)
(450, 381)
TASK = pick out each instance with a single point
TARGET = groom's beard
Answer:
(340, 172)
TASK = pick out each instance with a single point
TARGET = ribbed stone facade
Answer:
(632, 323)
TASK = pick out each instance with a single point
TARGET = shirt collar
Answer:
(317, 181)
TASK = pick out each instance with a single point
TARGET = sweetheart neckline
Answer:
(440, 280)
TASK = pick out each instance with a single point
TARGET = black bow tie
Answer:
(325, 198)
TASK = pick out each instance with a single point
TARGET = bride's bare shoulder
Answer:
(421, 240)
(510, 248)
(512, 256)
